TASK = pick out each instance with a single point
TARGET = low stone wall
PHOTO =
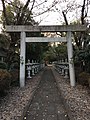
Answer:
(76, 99)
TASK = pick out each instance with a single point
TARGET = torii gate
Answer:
(56, 28)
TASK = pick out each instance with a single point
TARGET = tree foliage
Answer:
(34, 51)
(17, 13)
(55, 53)
(4, 42)
(81, 39)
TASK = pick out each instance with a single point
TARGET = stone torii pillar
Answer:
(22, 59)
(70, 59)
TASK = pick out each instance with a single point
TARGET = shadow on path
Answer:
(46, 103)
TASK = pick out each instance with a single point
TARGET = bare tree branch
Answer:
(47, 10)
(82, 12)
(64, 15)
(22, 13)
(32, 5)
(75, 36)
(26, 5)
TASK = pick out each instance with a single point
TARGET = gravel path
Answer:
(47, 103)
(76, 99)
(14, 105)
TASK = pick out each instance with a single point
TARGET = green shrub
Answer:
(84, 78)
(14, 77)
(14, 66)
(3, 65)
(5, 80)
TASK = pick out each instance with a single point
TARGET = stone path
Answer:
(46, 103)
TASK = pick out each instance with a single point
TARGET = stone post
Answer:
(70, 59)
(29, 67)
(33, 67)
(66, 72)
(22, 59)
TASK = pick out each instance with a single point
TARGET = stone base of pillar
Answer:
(66, 77)
(29, 77)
